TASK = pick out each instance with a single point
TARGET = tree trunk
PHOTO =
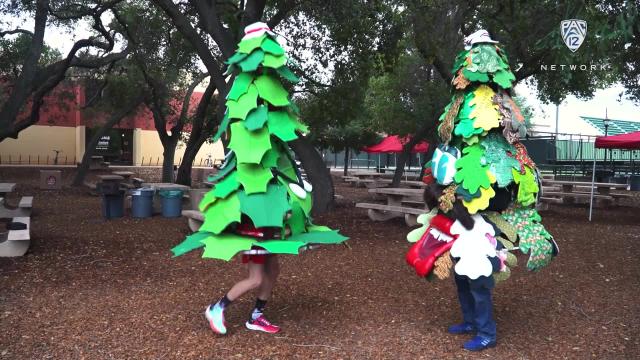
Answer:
(78, 180)
(346, 161)
(184, 171)
(169, 154)
(318, 174)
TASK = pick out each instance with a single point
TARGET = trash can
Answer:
(634, 181)
(142, 202)
(112, 199)
(171, 203)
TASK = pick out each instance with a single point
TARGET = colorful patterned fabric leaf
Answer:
(249, 146)
(485, 113)
(486, 59)
(475, 76)
(496, 152)
(533, 236)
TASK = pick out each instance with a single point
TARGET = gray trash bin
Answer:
(634, 181)
(142, 202)
(112, 199)
(171, 203)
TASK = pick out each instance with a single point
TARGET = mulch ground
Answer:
(95, 289)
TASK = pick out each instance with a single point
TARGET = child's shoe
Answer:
(262, 324)
(478, 343)
(464, 328)
(215, 316)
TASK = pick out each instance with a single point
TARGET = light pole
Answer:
(606, 132)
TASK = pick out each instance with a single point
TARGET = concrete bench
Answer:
(137, 182)
(382, 212)
(23, 209)
(195, 219)
(16, 242)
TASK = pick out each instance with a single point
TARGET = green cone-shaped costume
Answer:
(260, 202)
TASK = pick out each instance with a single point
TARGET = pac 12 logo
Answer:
(573, 32)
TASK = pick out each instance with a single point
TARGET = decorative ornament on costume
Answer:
(260, 203)
(488, 175)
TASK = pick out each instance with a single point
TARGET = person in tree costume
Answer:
(482, 191)
(260, 205)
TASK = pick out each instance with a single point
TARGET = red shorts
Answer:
(256, 259)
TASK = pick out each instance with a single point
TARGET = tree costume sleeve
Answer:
(483, 123)
(260, 200)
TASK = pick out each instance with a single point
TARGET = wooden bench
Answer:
(571, 197)
(195, 219)
(16, 242)
(382, 212)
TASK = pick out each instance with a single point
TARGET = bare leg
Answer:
(272, 270)
(256, 277)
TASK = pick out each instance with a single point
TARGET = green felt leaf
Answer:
(294, 108)
(504, 78)
(236, 57)
(245, 103)
(282, 246)
(306, 204)
(220, 214)
(222, 128)
(226, 186)
(192, 242)
(465, 121)
(240, 85)
(273, 61)
(270, 158)
(249, 146)
(459, 61)
(319, 237)
(226, 246)
(472, 174)
(225, 170)
(272, 47)
(252, 62)
(266, 209)
(246, 46)
(297, 221)
(208, 199)
(270, 89)
(282, 125)
(475, 76)
(256, 118)
(286, 73)
(254, 178)
(318, 228)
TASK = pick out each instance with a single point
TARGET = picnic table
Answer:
(6, 188)
(571, 191)
(125, 174)
(15, 242)
(110, 177)
(401, 202)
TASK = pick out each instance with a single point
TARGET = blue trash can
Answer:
(113, 205)
(142, 202)
(634, 183)
(171, 203)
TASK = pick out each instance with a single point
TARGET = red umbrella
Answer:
(623, 141)
(394, 144)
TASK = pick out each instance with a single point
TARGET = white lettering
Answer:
(593, 67)
(573, 66)
(544, 67)
(583, 67)
(553, 67)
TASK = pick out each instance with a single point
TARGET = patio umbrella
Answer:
(395, 144)
(630, 141)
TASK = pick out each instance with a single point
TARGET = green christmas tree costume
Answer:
(260, 203)
(480, 131)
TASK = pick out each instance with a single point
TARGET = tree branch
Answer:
(15, 31)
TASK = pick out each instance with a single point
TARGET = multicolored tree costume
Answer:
(481, 155)
(260, 203)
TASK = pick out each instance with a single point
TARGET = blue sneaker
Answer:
(464, 328)
(215, 316)
(478, 343)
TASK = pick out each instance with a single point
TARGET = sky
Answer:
(605, 100)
